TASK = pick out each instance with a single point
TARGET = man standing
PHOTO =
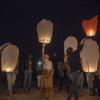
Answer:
(11, 78)
(27, 74)
(7, 59)
(74, 62)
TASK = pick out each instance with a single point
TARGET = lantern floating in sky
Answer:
(70, 42)
(90, 26)
(9, 58)
(44, 30)
(90, 56)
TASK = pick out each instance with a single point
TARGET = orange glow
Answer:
(90, 26)
(8, 69)
(89, 69)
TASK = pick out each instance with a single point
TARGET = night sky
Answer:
(19, 20)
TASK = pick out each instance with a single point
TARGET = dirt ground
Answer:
(35, 94)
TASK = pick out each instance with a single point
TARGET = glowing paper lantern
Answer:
(44, 30)
(90, 26)
(90, 56)
(9, 58)
(70, 42)
(4, 45)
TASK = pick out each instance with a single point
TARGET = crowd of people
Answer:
(71, 67)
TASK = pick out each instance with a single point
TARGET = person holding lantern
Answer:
(96, 80)
(9, 64)
(47, 78)
(1, 48)
(27, 74)
(11, 78)
(74, 62)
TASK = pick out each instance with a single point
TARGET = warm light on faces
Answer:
(46, 57)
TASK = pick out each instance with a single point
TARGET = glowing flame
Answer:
(91, 69)
(91, 33)
(90, 26)
(45, 41)
(8, 69)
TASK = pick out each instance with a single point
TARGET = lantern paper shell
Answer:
(90, 56)
(90, 26)
(44, 30)
(9, 58)
(70, 42)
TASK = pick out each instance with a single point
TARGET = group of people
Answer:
(72, 67)
(12, 75)
(75, 63)
(46, 79)
(75, 77)
(64, 72)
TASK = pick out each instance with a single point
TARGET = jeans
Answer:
(39, 80)
(89, 80)
(80, 82)
(74, 88)
(11, 78)
(27, 80)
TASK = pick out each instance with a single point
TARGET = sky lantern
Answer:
(9, 58)
(70, 42)
(44, 30)
(90, 26)
(90, 56)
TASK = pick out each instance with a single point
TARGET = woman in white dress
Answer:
(47, 78)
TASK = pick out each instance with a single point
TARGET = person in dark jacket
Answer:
(27, 74)
(74, 62)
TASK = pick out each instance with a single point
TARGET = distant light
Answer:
(39, 63)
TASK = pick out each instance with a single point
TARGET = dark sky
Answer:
(19, 20)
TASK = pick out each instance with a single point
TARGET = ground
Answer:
(35, 94)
